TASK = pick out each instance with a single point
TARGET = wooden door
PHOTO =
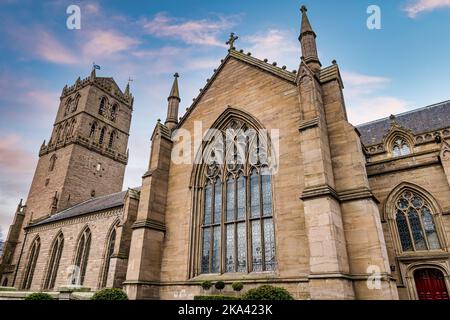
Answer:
(430, 284)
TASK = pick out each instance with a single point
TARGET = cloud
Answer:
(275, 45)
(13, 159)
(103, 44)
(418, 6)
(365, 100)
(202, 32)
(48, 48)
(16, 171)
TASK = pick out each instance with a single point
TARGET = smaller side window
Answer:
(400, 147)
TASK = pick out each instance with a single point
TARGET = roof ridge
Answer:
(404, 113)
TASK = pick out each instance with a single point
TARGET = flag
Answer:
(96, 66)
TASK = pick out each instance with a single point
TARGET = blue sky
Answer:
(400, 67)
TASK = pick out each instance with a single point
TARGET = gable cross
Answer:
(231, 41)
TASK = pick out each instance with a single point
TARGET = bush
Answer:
(110, 294)
(206, 285)
(267, 292)
(220, 285)
(39, 296)
(237, 286)
(215, 297)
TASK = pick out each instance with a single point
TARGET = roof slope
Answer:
(90, 206)
(430, 118)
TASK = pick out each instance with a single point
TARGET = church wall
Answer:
(275, 104)
(432, 179)
(99, 224)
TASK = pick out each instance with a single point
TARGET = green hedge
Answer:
(39, 296)
(215, 297)
(267, 292)
(237, 286)
(110, 294)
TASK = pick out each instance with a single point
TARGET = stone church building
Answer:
(306, 201)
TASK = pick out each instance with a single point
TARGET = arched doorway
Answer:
(430, 284)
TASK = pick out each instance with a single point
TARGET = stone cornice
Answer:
(75, 220)
(319, 192)
(84, 142)
(149, 224)
(342, 196)
(357, 194)
(307, 124)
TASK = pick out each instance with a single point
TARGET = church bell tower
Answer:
(86, 154)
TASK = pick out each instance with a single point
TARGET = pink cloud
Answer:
(14, 159)
(103, 44)
(50, 49)
(418, 6)
(202, 32)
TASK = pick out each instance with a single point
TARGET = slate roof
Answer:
(430, 118)
(90, 206)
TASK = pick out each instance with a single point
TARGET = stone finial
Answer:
(231, 40)
(20, 206)
(334, 62)
(303, 9)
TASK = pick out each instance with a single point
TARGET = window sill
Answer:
(236, 276)
(423, 255)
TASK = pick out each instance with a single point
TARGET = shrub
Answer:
(215, 297)
(206, 285)
(39, 296)
(237, 286)
(267, 292)
(110, 294)
(220, 285)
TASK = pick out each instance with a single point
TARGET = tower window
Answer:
(102, 108)
(102, 136)
(75, 104)
(68, 104)
(114, 112)
(400, 147)
(111, 140)
(52, 162)
(93, 128)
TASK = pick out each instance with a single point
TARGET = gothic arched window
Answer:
(52, 162)
(415, 223)
(82, 256)
(31, 264)
(53, 265)
(102, 108)
(75, 103)
(93, 128)
(68, 105)
(237, 231)
(400, 147)
(111, 140)
(114, 112)
(102, 135)
(109, 253)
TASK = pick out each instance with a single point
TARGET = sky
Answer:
(402, 66)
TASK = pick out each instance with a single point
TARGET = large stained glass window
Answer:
(415, 223)
(237, 223)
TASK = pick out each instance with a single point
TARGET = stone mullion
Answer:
(422, 226)
(411, 234)
(261, 222)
